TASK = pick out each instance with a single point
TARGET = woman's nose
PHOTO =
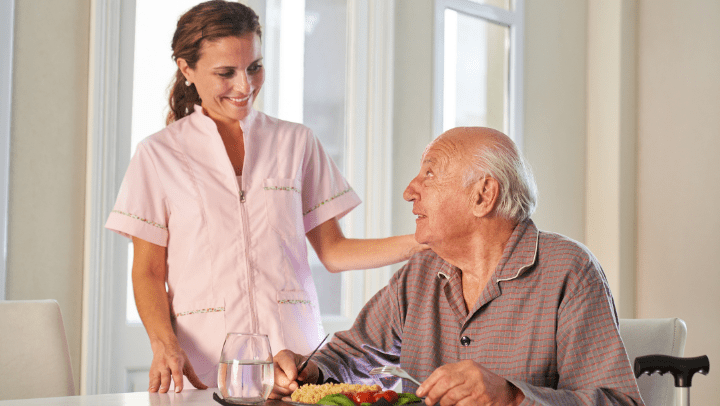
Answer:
(241, 83)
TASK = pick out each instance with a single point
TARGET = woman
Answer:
(219, 203)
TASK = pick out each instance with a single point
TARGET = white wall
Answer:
(413, 108)
(555, 111)
(47, 162)
(611, 145)
(679, 174)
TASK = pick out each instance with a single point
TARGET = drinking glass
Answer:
(246, 372)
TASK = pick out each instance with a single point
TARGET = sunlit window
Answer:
(478, 65)
(476, 72)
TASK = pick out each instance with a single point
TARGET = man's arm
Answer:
(345, 358)
(373, 340)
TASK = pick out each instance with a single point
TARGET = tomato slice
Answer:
(388, 395)
(351, 396)
(365, 397)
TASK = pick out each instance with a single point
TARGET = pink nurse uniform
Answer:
(236, 248)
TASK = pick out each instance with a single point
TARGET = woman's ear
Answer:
(485, 196)
(185, 70)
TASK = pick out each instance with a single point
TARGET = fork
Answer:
(399, 372)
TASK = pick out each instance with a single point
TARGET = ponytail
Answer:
(182, 98)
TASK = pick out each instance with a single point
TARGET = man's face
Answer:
(442, 205)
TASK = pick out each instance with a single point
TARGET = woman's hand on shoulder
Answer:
(339, 254)
(415, 246)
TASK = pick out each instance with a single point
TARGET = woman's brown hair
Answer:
(208, 21)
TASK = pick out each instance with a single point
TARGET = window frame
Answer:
(7, 31)
(110, 99)
(513, 19)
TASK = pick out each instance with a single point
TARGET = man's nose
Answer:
(410, 191)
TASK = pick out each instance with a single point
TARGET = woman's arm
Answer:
(339, 254)
(149, 274)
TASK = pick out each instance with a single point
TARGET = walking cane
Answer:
(682, 369)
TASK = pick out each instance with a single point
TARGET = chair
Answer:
(34, 354)
(654, 336)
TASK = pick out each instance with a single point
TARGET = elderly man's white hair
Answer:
(499, 158)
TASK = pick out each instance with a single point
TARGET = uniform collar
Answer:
(208, 125)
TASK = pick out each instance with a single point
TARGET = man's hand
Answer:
(170, 363)
(286, 364)
(467, 383)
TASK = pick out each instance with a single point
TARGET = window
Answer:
(478, 65)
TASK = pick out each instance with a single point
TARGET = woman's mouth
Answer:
(239, 100)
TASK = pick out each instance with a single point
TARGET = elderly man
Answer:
(498, 312)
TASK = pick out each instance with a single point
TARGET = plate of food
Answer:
(345, 394)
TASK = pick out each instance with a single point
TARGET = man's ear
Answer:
(485, 196)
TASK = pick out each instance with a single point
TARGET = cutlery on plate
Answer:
(304, 364)
(399, 372)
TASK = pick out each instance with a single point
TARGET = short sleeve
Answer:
(140, 209)
(325, 192)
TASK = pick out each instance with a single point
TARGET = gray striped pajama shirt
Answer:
(546, 322)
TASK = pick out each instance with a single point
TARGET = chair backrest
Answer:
(654, 336)
(34, 355)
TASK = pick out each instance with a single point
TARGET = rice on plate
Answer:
(311, 393)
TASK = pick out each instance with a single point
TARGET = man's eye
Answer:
(428, 174)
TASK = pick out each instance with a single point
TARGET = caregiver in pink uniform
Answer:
(219, 203)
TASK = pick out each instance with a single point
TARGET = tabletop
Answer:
(188, 397)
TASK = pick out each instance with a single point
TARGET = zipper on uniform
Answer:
(251, 275)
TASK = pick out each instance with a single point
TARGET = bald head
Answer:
(485, 152)
(464, 140)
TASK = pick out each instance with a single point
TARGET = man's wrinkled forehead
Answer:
(440, 152)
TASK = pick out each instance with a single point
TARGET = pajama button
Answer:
(465, 341)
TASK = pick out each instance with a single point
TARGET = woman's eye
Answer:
(226, 75)
(254, 68)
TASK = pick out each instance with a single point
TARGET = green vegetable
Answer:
(405, 398)
(337, 399)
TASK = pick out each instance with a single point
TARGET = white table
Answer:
(188, 397)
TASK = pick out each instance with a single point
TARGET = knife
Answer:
(304, 364)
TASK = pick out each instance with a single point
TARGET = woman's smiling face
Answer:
(228, 76)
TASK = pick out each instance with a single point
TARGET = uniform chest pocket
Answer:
(283, 203)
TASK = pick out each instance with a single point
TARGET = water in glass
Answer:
(245, 381)
(245, 373)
